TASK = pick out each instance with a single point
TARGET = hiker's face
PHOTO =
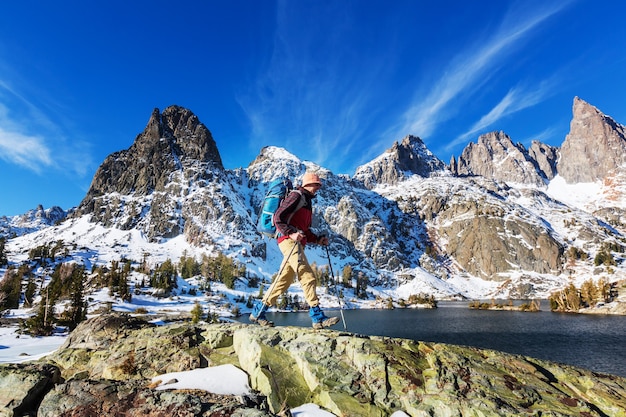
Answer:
(312, 188)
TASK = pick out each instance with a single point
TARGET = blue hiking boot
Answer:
(258, 315)
(319, 318)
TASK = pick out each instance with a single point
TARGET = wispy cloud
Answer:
(20, 148)
(515, 100)
(31, 139)
(468, 72)
(27, 151)
(313, 91)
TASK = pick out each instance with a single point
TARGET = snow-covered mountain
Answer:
(30, 221)
(499, 222)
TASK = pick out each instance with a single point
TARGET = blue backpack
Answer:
(276, 193)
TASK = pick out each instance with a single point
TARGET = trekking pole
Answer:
(330, 265)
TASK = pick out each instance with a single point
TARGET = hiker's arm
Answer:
(287, 207)
(311, 237)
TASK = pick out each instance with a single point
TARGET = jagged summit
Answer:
(147, 185)
(404, 159)
(189, 138)
(593, 150)
(402, 217)
(171, 140)
(496, 156)
(31, 221)
(594, 147)
(273, 162)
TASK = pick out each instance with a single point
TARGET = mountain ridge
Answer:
(404, 214)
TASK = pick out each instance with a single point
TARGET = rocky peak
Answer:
(545, 158)
(171, 140)
(45, 216)
(594, 147)
(496, 156)
(147, 186)
(404, 159)
(191, 138)
(31, 221)
(273, 162)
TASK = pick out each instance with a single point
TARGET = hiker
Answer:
(293, 219)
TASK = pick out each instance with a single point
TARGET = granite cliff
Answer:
(496, 156)
(595, 146)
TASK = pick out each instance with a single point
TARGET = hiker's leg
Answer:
(286, 274)
(307, 279)
(308, 283)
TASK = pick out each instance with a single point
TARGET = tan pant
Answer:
(292, 264)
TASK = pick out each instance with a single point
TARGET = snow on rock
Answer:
(223, 380)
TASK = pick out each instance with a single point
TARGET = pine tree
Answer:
(165, 276)
(42, 323)
(77, 309)
(113, 280)
(3, 258)
(29, 293)
(197, 313)
(283, 302)
(589, 293)
(11, 288)
(361, 285)
(347, 276)
(124, 286)
(188, 266)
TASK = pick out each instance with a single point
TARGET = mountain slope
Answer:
(488, 227)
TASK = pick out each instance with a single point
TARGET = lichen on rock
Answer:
(345, 373)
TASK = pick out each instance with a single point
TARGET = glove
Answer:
(322, 240)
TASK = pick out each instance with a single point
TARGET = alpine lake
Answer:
(594, 342)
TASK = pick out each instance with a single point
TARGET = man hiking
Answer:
(293, 220)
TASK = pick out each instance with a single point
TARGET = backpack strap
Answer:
(301, 203)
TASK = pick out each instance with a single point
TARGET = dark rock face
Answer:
(484, 233)
(495, 156)
(594, 147)
(171, 141)
(400, 161)
(545, 158)
(147, 187)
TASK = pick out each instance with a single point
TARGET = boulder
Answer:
(22, 387)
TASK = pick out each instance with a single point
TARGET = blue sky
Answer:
(334, 82)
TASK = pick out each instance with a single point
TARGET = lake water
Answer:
(593, 342)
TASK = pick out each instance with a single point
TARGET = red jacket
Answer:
(289, 219)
